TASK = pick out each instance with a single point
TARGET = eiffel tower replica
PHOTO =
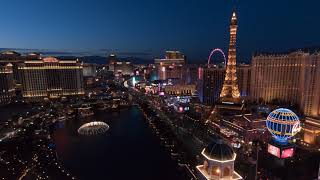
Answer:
(229, 103)
(230, 94)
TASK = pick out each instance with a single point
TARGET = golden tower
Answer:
(230, 91)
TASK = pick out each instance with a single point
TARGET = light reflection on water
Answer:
(127, 150)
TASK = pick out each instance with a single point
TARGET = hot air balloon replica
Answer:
(283, 124)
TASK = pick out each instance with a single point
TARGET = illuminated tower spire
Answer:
(230, 91)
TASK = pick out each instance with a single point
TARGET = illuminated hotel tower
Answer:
(51, 78)
(230, 91)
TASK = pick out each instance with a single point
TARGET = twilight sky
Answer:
(146, 28)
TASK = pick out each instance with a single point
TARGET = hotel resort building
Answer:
(293, 78)
(51, 78)
(7, 91)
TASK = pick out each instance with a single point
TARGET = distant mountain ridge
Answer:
(85, 56)
(104, 60)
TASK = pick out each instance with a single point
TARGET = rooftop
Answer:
(218, 150)
(310, 50)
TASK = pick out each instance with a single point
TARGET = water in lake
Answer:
(129, 149)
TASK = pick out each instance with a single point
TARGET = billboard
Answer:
(281, 152)
(286, 153)
(274, 150)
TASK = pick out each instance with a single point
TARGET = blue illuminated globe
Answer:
(283, 124)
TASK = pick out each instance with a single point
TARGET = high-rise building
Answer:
(171, 67)
(7, 91)
(89, 75)
(310, 88)
(230, 91)
(123, 67)
(13, 58)
(244, 77)
(190, 74)
(51, 78)
(112, 59)
(211, 82)
(292, 78)
(89, 70)
(120, 67)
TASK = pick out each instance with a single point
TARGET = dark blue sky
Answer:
(141, 27)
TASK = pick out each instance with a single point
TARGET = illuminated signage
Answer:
(281, 152)
(296, 128)
(180, 109)
(274, 150)
(286, 153)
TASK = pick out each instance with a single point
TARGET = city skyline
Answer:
(100, 89)
(96, 28)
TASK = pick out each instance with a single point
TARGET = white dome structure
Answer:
(93, 128)
(218, 162)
